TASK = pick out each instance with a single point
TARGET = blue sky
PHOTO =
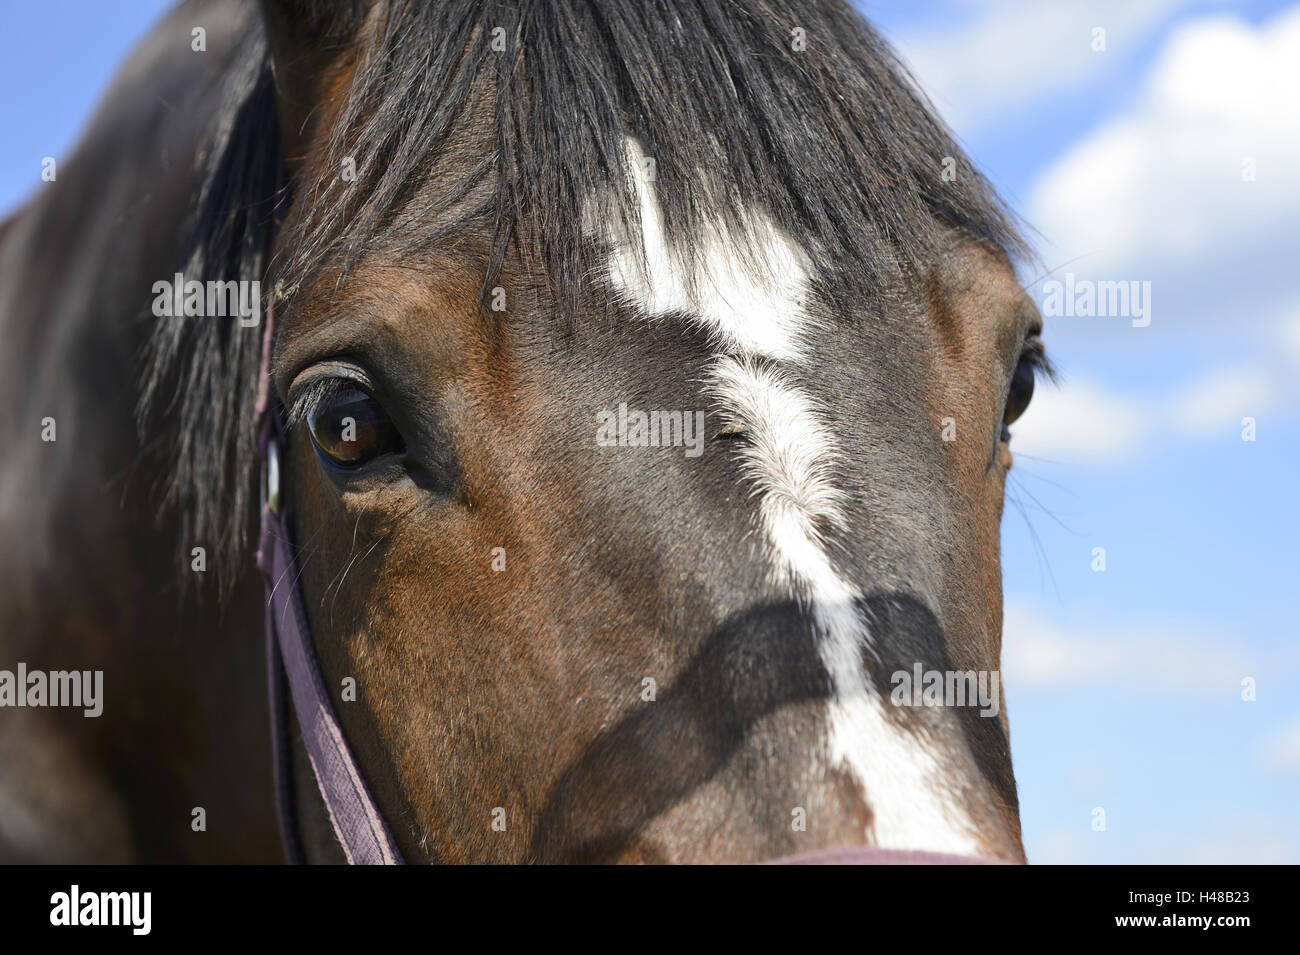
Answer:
(1123, 686)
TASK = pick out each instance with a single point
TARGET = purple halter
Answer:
(291, 660)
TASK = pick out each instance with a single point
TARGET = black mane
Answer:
(834, 143)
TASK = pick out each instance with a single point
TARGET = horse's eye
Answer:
(1022, 389)
(350, 427)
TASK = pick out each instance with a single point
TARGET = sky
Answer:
(1164, 149)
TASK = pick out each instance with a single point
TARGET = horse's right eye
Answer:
(350, 428)
(1032, 362)
(1022, 390)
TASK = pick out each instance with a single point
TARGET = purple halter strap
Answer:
(291, 661)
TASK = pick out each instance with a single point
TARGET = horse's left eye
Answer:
(350, 428)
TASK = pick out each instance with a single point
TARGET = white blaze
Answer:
(758, 320)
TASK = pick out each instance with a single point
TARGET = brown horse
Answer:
(646, 368)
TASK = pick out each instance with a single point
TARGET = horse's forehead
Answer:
(745, 286)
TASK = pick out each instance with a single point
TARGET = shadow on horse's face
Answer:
(655, 583)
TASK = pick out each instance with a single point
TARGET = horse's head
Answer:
(648, 367)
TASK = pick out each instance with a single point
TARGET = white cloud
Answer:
(993, 57)
(1079, 421)
(1291, 336)
(1038, 654)
(1218, 402)
(1282, 752)
(1156, 193)
(1163, 182)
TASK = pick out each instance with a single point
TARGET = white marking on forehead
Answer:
(790, 457)
(756, 311)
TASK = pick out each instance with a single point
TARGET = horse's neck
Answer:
(77, 264)
(89, 576)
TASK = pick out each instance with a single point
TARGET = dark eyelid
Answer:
(322, 381)
(1035, 352)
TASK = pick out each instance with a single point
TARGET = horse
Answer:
(626, 387)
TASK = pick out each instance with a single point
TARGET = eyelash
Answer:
(310, 398)
(1036, 353)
